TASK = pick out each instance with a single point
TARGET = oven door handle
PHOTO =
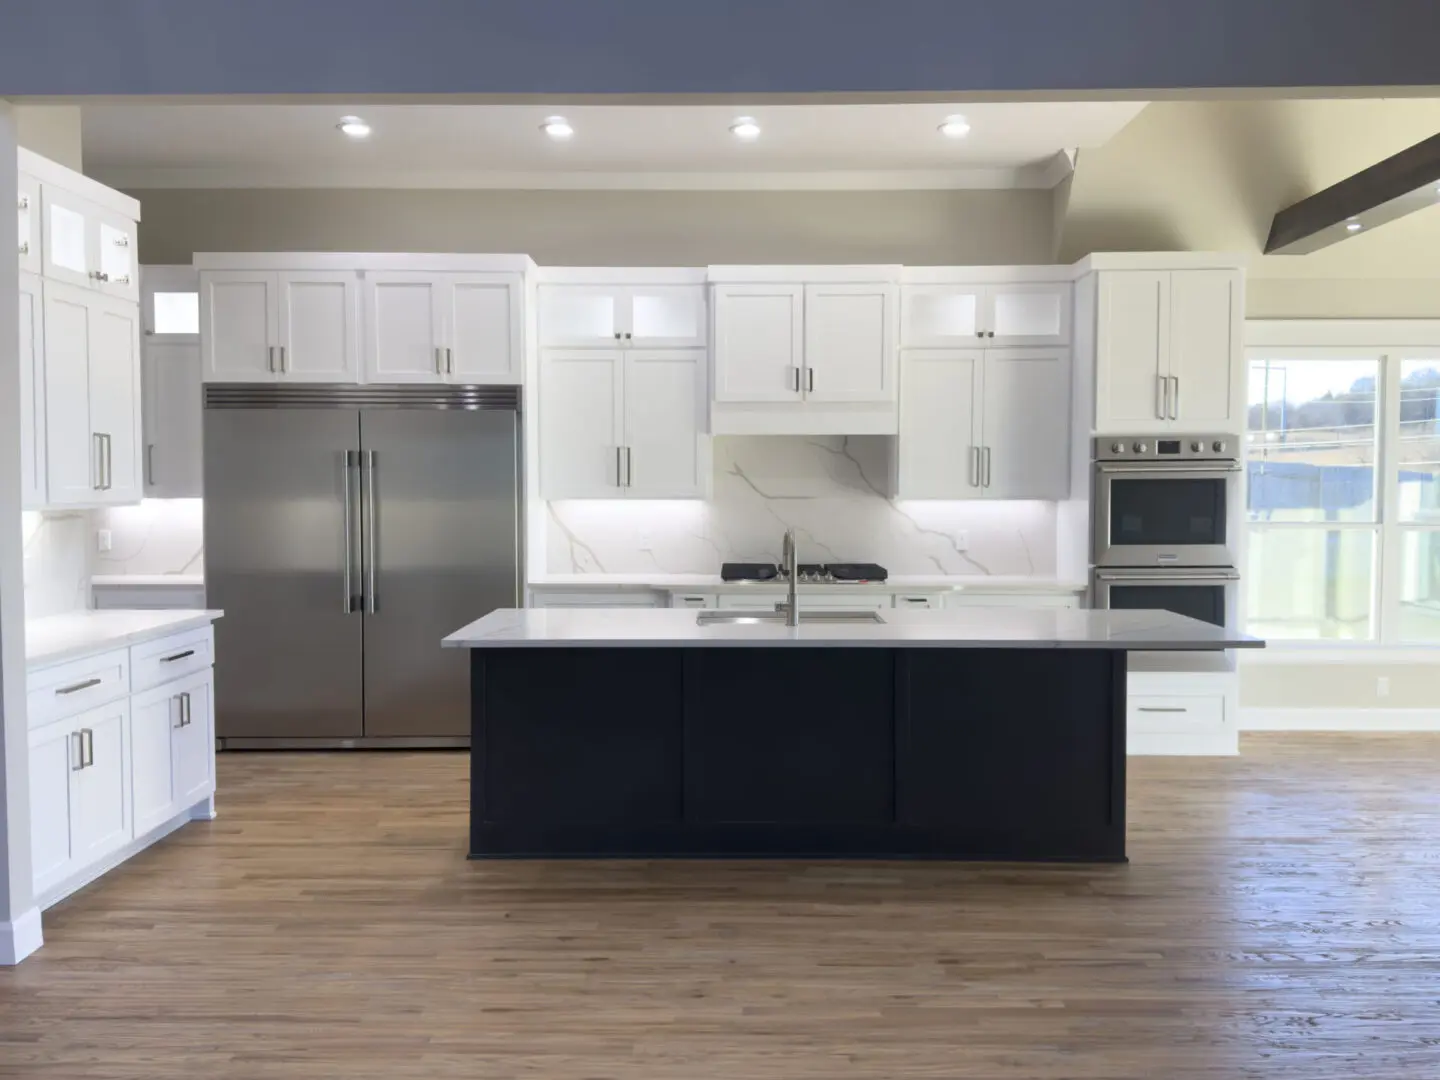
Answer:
(1184, 577)
(1209, 472)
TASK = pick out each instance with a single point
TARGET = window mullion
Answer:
(1388, 551)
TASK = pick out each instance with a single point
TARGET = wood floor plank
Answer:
(1280, 918)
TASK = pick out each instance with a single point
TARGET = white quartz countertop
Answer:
(81, 633)
(175, 581)
(896, 583)
(977, 628)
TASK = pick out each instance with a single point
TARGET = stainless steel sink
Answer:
(777, 618)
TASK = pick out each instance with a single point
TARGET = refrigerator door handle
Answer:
(367, 467)
(348, 466)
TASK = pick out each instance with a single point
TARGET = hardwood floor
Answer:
(1280, 917)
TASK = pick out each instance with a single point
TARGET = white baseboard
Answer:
(20, 937)
(1252, 719)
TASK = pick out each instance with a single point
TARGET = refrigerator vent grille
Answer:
(322, 396)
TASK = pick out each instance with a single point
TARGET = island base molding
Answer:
(819, 752)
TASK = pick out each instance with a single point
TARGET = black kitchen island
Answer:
(983, 734)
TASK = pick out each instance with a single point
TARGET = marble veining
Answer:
(155, 537)
(831, 490)
(56, 562)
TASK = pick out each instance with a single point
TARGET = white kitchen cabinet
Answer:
(172, 415)
(171, 749)
(862, 598)
(991, 423)
(1026, 599)
(55, 755)
(581, 417)
(426, 327)
(115, 238)
(92, 397)
(596, 598)
(850, 342)
(759, 352)
(957, 316)
(622, 423)
(1168, 350)
(32, 392)
(600, 315)
(279, 326)
(87, 245)
(28, 204)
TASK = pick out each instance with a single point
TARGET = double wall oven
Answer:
(1167, 515)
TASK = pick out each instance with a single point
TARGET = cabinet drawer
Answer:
(53, 693)
(919, 602)
(159, 661)
(1175, 713)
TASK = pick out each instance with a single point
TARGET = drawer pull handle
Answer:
(79, 686)
(1158, 708)
(177, 656)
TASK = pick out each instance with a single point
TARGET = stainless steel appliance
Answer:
(1163, 501)
(347, 530)
(1210, 594)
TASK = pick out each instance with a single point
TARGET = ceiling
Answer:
(1010, 144)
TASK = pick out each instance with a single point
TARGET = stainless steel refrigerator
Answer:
(347, 530)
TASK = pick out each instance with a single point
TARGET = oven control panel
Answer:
(1167, 448)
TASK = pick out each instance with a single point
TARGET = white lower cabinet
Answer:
(172, 740)
(105, 779)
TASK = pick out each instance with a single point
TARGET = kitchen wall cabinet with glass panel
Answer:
(79, 328)
(1343, 494)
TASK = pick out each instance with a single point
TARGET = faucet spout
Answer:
(792, 577)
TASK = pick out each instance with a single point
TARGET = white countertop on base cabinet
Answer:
(65, 637)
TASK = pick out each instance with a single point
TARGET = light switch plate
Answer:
(103, 539)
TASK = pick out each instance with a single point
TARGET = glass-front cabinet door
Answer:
(582, 316)
(69, 254)
(27, 202)
(114, 236)
(665, 316)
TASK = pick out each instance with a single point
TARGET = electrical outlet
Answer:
(962, 540)
(1382, 686)
(646, 540)
(103, 539)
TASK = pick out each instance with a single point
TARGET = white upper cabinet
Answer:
(115, 397)
(992, 424)
(88, 245)
(403, 331)
(939, 445)
(1168, 353)
(581, 418)
(115, 238)
(239, 311)
(1026, 424)
(28, 204)
(622, 423)
(280, 326)
(32, 393)
(759, 353)
(481, 316)
(317, 325)
(172, 414)
(958, 316)
(600, 315)
(1207, 322)
(849, 343)
(662, 455)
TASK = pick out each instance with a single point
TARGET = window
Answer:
(170, 301)
(176, 312)
(1343, 495)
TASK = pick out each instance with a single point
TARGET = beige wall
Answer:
(52, 131)
(610, 228)
(1339, 686)
(1210, 176)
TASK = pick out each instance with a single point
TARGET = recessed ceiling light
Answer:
(745, 127)
(354, 127)
(955, 127)
(557, 127)
(1353, 226)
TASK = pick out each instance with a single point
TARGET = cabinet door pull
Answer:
(629, 468)
(185, 716)
(77, 687)
(79, 751)
(1157, 708)
(150, 463)
(87, 741)
(439, 360)
(974, 466)
(177, 656)
(283, 367)
(985, 458)
(449, 360)
(809, 380)
(617, 335)
(619, 466)
(97, 478)
(1175, 398)
(1162, 397)
(270, 358)
(109, 461)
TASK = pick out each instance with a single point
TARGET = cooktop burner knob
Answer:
(1141, 448)
(1196, 446)
(1219, 446)
(1117, 447)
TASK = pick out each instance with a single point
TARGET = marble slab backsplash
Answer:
(157, 536)
(56, 562)
(830, 489)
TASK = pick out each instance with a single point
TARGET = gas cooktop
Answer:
(810, 573)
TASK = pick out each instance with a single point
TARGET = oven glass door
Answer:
(1203, 600)
(1160, 517)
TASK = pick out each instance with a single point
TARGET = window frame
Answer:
(166, 279)
(1391, 343)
